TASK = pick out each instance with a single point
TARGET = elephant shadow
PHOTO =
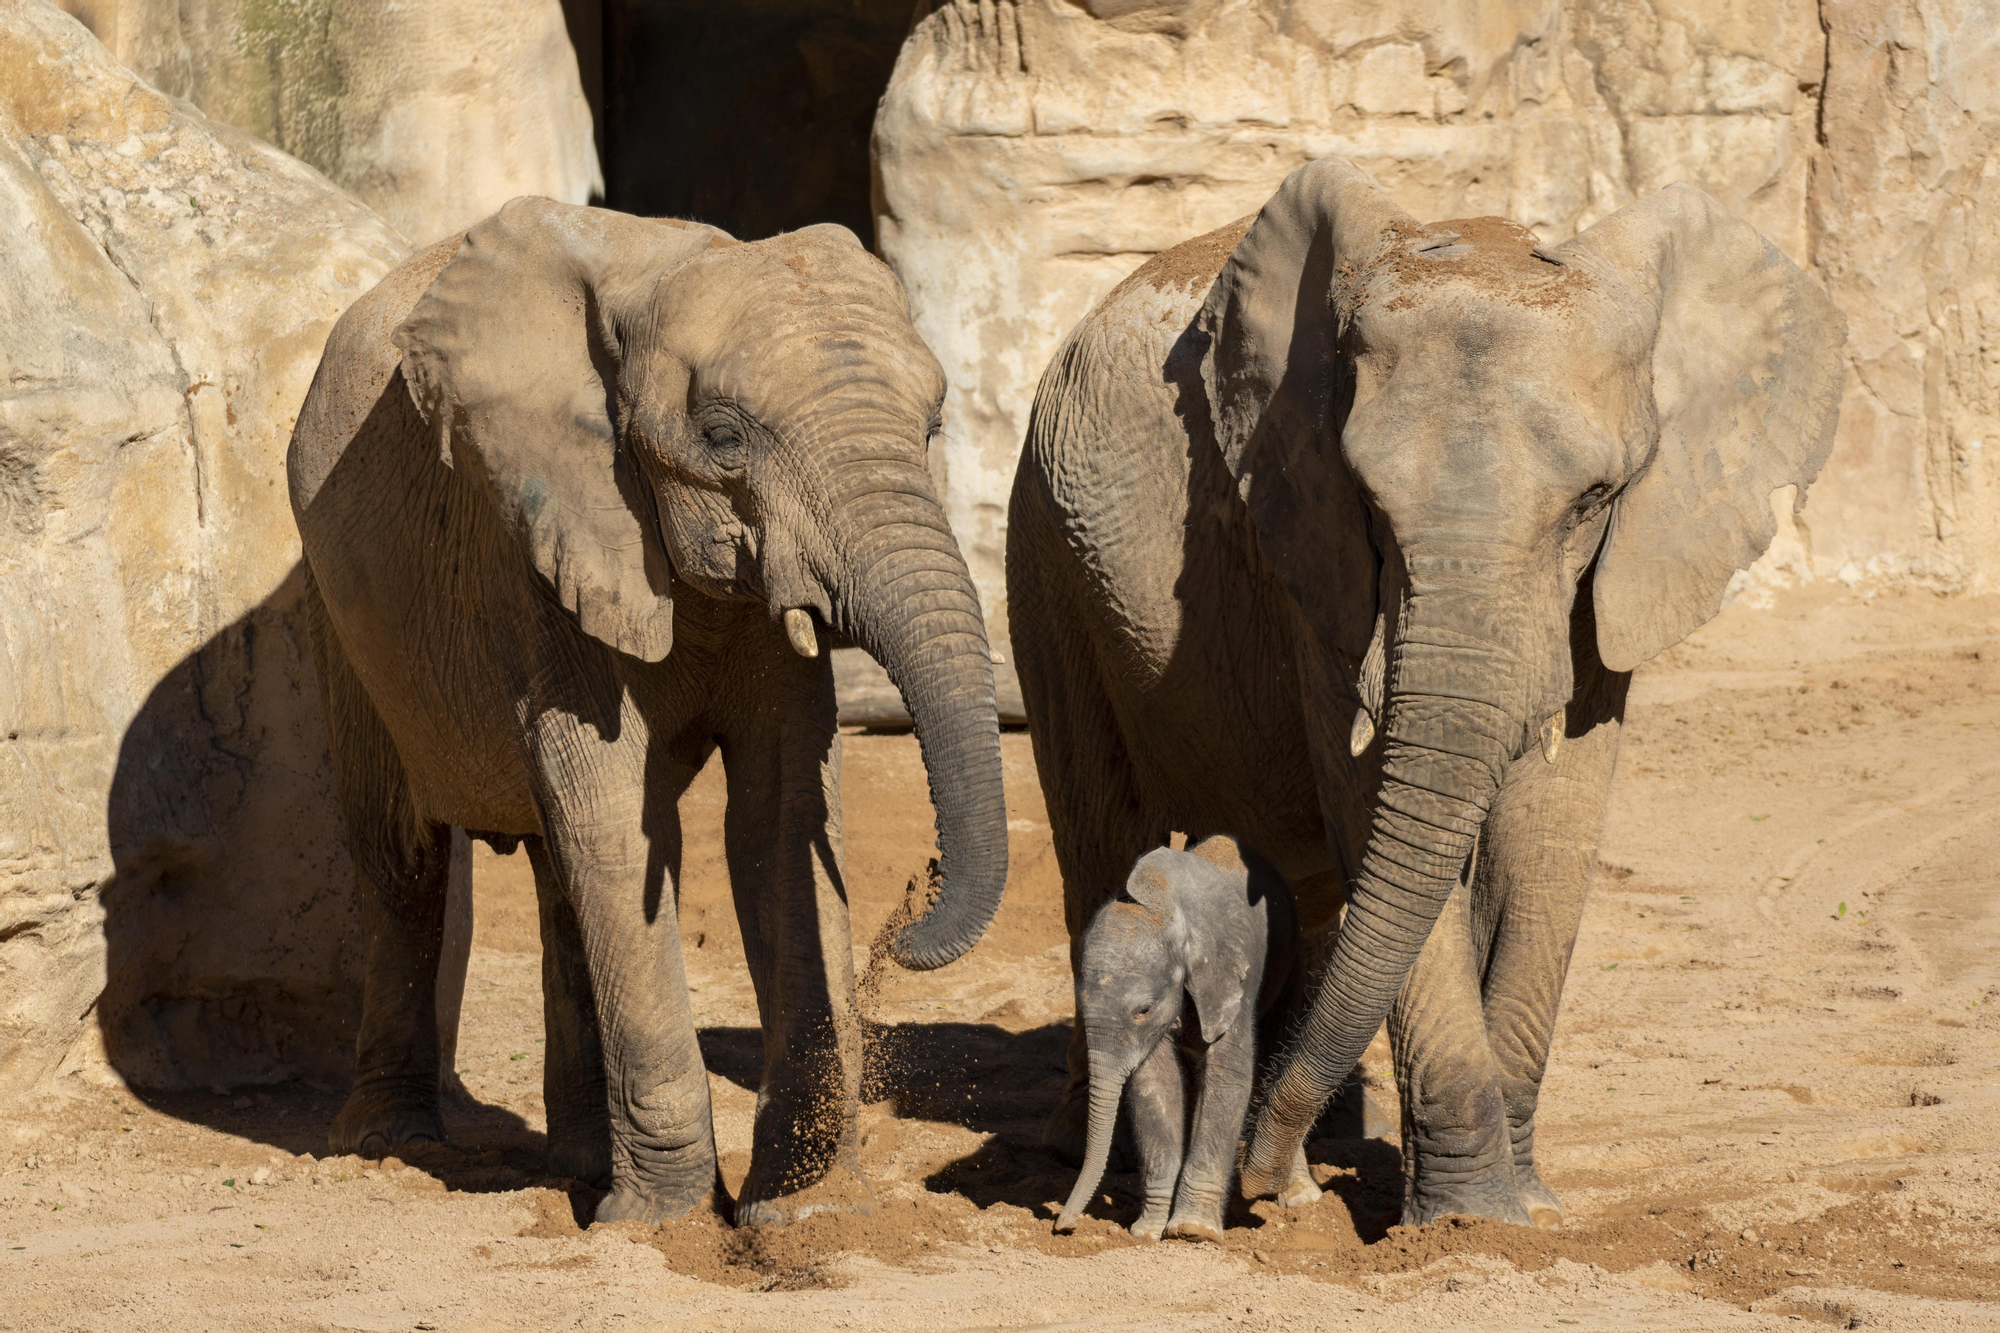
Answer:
(232, 946)
(993, 1081)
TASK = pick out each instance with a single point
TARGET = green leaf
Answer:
(1611, 967)
(1840, 910)
(230, 1183)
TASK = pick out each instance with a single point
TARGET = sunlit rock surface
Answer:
(174, 894)
(1030, 153)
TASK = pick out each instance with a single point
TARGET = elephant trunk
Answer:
(1106, 1086)
(1449, 739)
(909, 602)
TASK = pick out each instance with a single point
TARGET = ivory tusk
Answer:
(1363, 733)
(799, 629)
(1552, 734)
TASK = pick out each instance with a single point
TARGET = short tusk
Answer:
(799, 629)
(1363, 733)
(1552, 734)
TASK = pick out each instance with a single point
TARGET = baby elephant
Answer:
(1174, 978)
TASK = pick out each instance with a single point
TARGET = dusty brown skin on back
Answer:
(1348, 550)
(581, 496)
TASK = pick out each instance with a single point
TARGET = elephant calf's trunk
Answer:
(1097, 1151)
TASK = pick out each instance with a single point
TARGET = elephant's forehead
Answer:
(1473, 267)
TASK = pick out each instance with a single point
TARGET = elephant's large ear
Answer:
(1275, 391)
(1746, 383)
(512, 355)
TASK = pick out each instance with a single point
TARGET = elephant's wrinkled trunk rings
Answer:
(1441, 768)
(1106, 1086)
(911, 605)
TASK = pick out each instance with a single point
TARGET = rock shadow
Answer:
(233, 951)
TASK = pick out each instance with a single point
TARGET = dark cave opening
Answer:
(753, 115)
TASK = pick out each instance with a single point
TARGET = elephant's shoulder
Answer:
(357, 366)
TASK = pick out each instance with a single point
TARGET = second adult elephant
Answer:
(1341, 533)
(579, 492)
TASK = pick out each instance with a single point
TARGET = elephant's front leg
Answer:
(1535, 864)
(783, 838)
(1156, 1099)
(1457, 1155)
(613, 846)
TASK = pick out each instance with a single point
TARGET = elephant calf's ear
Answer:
(1746, 384)
(512, 356)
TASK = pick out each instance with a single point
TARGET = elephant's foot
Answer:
(379, 1119)
(634, 1201)
(843, 1190)
(1545, 1210)
(1152, 1223)
(1301, 1191)
(1481, 1192)
(1205, 1226)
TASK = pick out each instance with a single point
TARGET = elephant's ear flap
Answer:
(1276, 395)
(1746, 385)
(513, 356)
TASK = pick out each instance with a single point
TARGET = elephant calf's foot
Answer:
(1152, 1223)
(378, 1120)
(843, 1190)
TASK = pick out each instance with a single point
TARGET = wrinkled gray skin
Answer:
(1177, 978)
(578, 497)
(1342, 533)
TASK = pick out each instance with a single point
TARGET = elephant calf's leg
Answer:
(573, 1087)
(1156, 1099)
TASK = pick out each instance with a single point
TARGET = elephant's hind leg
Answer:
(402, 867)
(573, 1087)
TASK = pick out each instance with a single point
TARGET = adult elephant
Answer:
(1342, 533)
(579, 492)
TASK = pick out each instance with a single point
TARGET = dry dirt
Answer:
(1771, 1099)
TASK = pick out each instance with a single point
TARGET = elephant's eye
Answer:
(721, 438)
(1139, 1015)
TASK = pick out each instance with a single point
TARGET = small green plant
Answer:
(1611, 967)
(230, 1183)
(1839, 910)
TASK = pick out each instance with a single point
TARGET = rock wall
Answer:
(174, 893)
(1030, 153)
(434, 113)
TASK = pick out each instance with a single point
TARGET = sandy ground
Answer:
(1772, 1098)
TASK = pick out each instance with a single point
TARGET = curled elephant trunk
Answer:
(911, 604)
(1106, 1085)
(1445, 754)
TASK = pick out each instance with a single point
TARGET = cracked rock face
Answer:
(1031, 153)
(167, 820)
